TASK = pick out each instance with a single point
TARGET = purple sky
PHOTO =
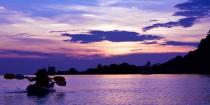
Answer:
(82, 34)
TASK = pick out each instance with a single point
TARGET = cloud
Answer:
(152, 42)
(2, 9)
(96, 17)
(108, 2)
(177, 43)
(22, 53)
(124, 36)
(153, 20)
(173, 43)
(191, 11)
(29, 54)
(194, 8)
(25, 38)
(113, 36)
(57, 31)
(185, 22)
(35, 31)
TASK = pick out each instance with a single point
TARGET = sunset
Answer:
(99, 29)
(74, 37)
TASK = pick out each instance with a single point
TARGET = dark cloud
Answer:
(27, 53)
(113, 36)
(177, 43)
(185, 22)
(191, 11)
(123, 36)
(194, 8)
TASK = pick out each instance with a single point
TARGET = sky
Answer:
(83, 34)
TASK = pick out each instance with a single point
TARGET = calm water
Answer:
(115, 90)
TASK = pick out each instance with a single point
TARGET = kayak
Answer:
(37, 90)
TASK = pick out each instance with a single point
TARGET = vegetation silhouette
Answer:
(195, 62)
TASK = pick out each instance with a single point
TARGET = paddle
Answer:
(59, 80)
(9, 76)
(14, 76)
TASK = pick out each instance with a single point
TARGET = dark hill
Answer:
(197, 61)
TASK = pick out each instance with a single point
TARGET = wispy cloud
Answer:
(22, 53)
(42, 33)
(177, 43)
(2, 8)
(108, 2)
(108, 17)
(191, 11)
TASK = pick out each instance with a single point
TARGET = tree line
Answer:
(195, 62)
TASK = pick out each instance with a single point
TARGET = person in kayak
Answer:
(42, 79)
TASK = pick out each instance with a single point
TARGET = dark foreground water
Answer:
(115, 90)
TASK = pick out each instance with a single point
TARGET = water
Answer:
(115, 90)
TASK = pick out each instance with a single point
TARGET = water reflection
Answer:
(116, 90)
(24, 99)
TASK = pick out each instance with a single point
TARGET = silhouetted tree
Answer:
(196, 61)
(72, 71)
